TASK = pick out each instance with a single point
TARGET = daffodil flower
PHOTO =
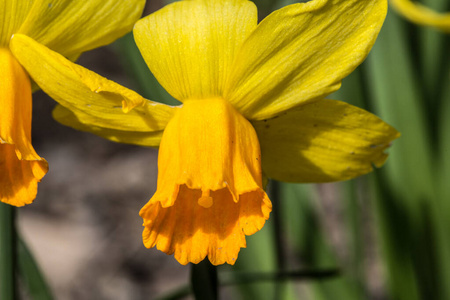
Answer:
(422, 15)
(68, 27)
(253, 103)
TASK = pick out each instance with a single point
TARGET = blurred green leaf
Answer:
(411, 221)
(396, 95)
(31, 274)
(444, 138)
(433, 57)
(259, 256)
(396, 241)
(306, 234)
(282, 287)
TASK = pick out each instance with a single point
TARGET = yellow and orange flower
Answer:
(68, 27)
(253, 103)
(422, 15)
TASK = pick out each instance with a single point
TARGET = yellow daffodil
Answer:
(253, 103)
(68, 27)
(422, 15)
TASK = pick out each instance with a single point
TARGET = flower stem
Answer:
(204, 280)
(274, 190)
(7, 252)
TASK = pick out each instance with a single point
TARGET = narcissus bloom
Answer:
(68, 27)
(422, 15)
(253, 103)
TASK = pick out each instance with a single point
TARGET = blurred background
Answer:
(385, 234)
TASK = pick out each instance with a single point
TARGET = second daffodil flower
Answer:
(253, 104)
(68, 27)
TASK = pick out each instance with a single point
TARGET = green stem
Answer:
(204, 281)
(274, 191)
(7, 252)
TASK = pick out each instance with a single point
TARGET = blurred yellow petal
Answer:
(96, 100)
(12, 15)
(72, 119)
(20, 166)
(422, 15)
(209, 193)
(302, 52)
(70, 27)
(190, 45)
(323, 141)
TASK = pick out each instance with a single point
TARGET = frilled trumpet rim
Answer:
(20, 167)
(209, 193)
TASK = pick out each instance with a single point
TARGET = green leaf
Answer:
(433, 55)
(31, 274)
(391, 224)
(306, 234)
(411, 218)
(259, 256)
(397, 100)
(444, 150)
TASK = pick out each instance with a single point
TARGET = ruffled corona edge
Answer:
(19, 178)
(191, 232)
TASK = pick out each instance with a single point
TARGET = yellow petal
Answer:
(20, 166)
(95, 100)
(12, 15)
(190, 45)
(72, 119)
(330, 141)
(417, 13)
(209, 193)
(302, 52)
(71, 27)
